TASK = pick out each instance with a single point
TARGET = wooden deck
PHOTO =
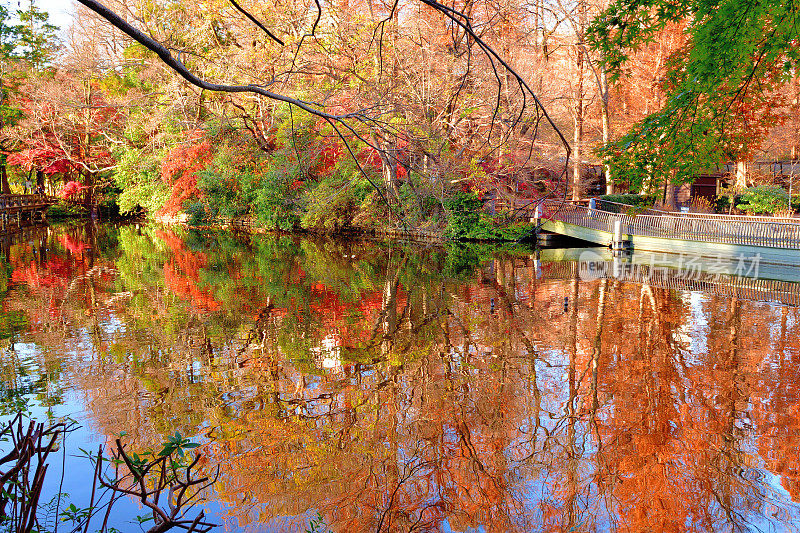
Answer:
(772, 239)
(14, 208)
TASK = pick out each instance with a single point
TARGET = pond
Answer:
(357, 385)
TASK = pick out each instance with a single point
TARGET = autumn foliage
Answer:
(70, 189)
(179, 171)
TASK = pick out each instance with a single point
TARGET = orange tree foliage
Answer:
(179, 171)
(182, 273)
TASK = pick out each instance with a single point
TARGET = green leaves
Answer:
(723, 88)
(74, 514)
(37, 42)
(764, 199)
(176, 444)
(626, 25)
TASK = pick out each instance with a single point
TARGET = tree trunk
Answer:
(579, 107)
(85, 150)
(201, 107)
(577, 153)
(4, 179)
(389, 168)
(741, 175)
(606, 121)
(796, 111)
(669, 193)
(88, 195)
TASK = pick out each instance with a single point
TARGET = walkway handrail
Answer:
(728, 229)
(616, 207)
(754, 289)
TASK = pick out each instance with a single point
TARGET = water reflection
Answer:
(403, 388)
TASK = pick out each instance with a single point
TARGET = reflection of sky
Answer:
(74, 481)
(697, 328)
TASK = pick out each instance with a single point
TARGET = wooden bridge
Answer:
(621, 226)
(15, 208)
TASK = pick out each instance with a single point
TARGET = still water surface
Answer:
(396, 387)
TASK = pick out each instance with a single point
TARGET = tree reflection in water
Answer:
(403, 388)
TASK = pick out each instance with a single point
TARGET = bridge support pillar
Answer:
(619, 240)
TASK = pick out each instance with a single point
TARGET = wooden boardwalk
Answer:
(616, 225)
(14, 208)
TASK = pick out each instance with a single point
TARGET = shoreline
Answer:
(248, 225)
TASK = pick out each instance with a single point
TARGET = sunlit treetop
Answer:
(723, 87)
(27, 40)
(727, 37)
(28, 35)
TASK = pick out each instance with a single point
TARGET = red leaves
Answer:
(370, 157)
(48, 159)
(329, 157)
(402, 174)
(179, 171)
(56, 140)
(70, 189)
(73, 246)
(182, 273)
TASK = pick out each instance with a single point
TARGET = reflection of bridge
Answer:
(16, 207)
(747, 279)
(771, 239)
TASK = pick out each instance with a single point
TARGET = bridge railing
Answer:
(626, 209)
(13, 201)
(756, 289)
(729, 229)
(614, 207)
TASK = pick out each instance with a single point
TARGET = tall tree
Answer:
(723, 87)
(37, 40)
(27, 49)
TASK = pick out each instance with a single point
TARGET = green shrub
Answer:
(463, 215)
(332, 204)
(230, 183)
(763, 199)
(273, 204)
(467, 221)
(722, 204)
(636, 200)
(197, 213)
(138, 177)
(66, 210)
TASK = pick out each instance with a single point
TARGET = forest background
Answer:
(411, 118)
